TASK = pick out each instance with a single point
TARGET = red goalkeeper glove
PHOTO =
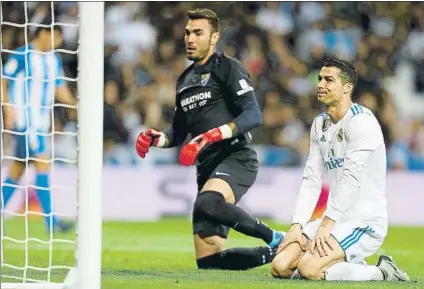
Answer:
(147, 139)
(190, 151)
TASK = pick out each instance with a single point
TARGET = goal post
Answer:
(90, 139)
(86, 273)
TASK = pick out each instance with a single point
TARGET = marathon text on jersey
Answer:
(195, 100)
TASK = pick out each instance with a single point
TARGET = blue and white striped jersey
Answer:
(33, 78)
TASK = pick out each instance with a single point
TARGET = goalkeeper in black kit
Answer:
(216, 105)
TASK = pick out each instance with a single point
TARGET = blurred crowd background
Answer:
(281, 44)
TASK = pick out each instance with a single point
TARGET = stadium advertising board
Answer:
(148, 194)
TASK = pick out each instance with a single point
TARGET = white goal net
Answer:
(46, 173)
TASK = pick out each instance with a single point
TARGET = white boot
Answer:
(390, 271)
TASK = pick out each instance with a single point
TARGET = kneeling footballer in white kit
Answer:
(346, 142)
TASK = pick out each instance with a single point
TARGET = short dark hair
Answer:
(348, 70)
(48, 24)
(48, 29)
(204, 13)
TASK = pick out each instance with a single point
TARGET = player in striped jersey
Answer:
(347, 144)
(31, 78)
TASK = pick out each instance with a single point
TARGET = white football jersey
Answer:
(353, 155)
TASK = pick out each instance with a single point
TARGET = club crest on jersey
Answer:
(205, 78)
(340, 135)
(325, 125)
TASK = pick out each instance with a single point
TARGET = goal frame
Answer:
(87, 271)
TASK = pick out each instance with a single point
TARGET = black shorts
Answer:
(239, 169)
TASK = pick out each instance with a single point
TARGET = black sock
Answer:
(212, 205)
(237, 259)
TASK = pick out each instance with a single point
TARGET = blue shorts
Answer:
(27, 146)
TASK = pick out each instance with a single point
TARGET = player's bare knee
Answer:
(312, 267)
(309, 267)
(281, 269)
(220, 186)
(281, 274)
(286, 261)
(309, 270)
(310, 274)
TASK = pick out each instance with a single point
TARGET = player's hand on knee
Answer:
(321, 243)
(189, 153)
(147, 139)
(294, 235)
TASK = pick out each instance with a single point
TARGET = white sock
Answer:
(344, 271)
(296, 275)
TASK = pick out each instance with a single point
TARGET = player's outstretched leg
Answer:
(209, 243)
(216, 204)
(16, 170)
(42, 184)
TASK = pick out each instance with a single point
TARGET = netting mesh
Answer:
(29, 252)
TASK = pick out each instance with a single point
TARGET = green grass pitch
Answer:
(160, 255)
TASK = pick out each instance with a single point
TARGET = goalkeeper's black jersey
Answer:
(209, 96)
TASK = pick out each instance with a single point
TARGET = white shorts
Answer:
(357, 241)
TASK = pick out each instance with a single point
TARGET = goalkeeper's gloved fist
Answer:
(147, 139)
(190, 151)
